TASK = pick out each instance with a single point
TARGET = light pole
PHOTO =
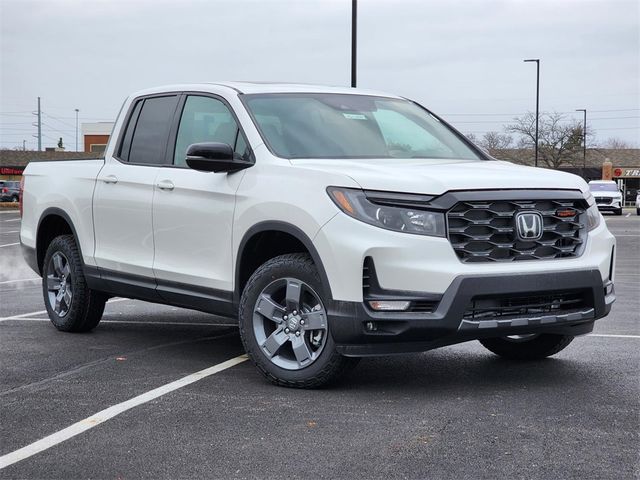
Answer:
(537, 60)
(354, 40)
(584, 142)
(77, 111)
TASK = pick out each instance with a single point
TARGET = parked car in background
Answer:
(638, 203)
(607, 195)
(9, 191)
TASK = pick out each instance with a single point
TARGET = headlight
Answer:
(399, 219)
(593, 217)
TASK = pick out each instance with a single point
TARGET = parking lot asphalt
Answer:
(457, 412)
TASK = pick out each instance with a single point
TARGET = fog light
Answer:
(389, 305)
(370, 327)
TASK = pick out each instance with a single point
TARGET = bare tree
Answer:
(495, 142)
(559, 138)
(615, 144)
(472, 137)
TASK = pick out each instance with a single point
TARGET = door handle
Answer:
(165, 185)
(110, 179)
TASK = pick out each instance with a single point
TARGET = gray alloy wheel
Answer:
(59, 284)
(71, 305)
(290, 323)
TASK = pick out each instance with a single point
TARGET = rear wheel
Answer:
(284, 324)
(72, 306)
(527, 347)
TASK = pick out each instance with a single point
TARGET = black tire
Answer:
(329, 365)
(637, 211)
(619, 211)
(86, 306)
(536, 348)
(15, 199)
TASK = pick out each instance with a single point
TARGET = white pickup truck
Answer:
(334, 223)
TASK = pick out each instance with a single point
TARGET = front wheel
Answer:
(527, 347)
(619, 211)
(284, 324)
(72, 306)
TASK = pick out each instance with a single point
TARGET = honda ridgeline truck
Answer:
(334, 223)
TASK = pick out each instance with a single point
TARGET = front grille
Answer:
(485, 231)
(603, 200)
(498, 307)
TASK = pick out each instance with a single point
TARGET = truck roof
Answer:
(264, 87)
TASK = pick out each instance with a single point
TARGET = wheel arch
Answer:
(268, 231)
(52, 223)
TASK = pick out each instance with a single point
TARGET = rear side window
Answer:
(145, 139)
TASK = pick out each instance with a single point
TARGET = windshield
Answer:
(327, 125)
(603, 187)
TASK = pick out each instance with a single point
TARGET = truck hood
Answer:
(435, 177)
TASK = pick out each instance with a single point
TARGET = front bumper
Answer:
(398, 332)
(609, 208)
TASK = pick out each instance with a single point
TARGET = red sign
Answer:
(617, 172)
(11, 170)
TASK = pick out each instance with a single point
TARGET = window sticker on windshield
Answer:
(355, 116)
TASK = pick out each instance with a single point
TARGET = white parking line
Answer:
(607, 335)
(10, 244)
(108, 413)
(13, 220)
(628, 215)
(39, 312)
(22, 280)
(132, 322)
(11, 231)
(631, 235)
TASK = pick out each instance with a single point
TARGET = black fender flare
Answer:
(60, 213)
(284, 227)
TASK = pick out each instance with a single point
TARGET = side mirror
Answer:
(214, 157)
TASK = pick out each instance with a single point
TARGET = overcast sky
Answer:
(462, 59)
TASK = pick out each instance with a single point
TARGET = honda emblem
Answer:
(529, 226)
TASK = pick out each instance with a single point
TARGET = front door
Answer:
(193, 211)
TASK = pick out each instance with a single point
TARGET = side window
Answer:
(149, 140)
(125, 146)
(205, 119)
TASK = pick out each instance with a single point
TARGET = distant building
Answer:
(95, 136)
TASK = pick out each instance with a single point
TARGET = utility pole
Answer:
(24, 145)
(537, 60)
(39, 125)
(354, 40)
(584, 142)
(77, 129)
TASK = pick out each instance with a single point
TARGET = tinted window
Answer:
(125, 146)
(152, 130)
(205, 119)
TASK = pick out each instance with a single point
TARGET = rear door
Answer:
(125, 188)
(193, 211)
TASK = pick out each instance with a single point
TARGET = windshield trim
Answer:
(482, 155)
